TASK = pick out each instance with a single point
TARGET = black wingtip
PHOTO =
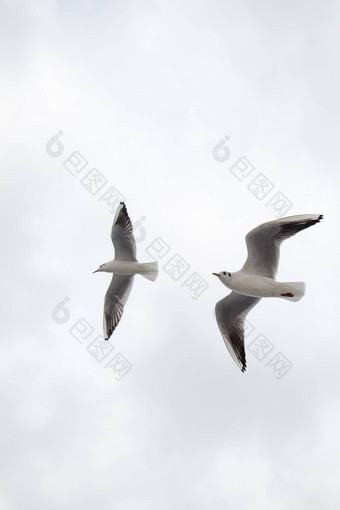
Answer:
(320, 217)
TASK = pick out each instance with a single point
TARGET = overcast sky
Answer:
(145, 93)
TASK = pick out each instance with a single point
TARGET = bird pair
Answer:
(254, 281)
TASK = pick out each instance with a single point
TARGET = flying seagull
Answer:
(124, 267)
(256, 279)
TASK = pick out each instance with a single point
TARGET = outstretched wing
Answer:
(122, 235)
(230, 315)
(263, 242)
(115, 299)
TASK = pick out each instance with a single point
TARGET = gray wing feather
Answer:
(115, 299)
(231, 312)
(122, 235)
(263, 242)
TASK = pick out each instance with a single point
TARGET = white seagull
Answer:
(124, 267)
(256, 279)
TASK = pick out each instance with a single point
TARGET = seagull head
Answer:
(224, 276)
(100, 268)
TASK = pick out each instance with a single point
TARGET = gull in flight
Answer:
(124, 267)
(256, 279)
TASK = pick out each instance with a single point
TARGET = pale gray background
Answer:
(145, 90)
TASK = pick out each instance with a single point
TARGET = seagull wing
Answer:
(263, 242)
(115, 299)
(122, 235)
(230, 315)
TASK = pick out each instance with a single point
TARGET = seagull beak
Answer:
(96, 271)
(216, 274)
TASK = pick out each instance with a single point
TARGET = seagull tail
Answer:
(293, 291)
(149, 270)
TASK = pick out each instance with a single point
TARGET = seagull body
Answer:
(124, 267)
(256, 279)
(261, 286)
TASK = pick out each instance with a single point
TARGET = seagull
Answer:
(256, 280)
(124, 267)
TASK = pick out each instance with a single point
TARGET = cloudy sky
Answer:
(157, 101)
